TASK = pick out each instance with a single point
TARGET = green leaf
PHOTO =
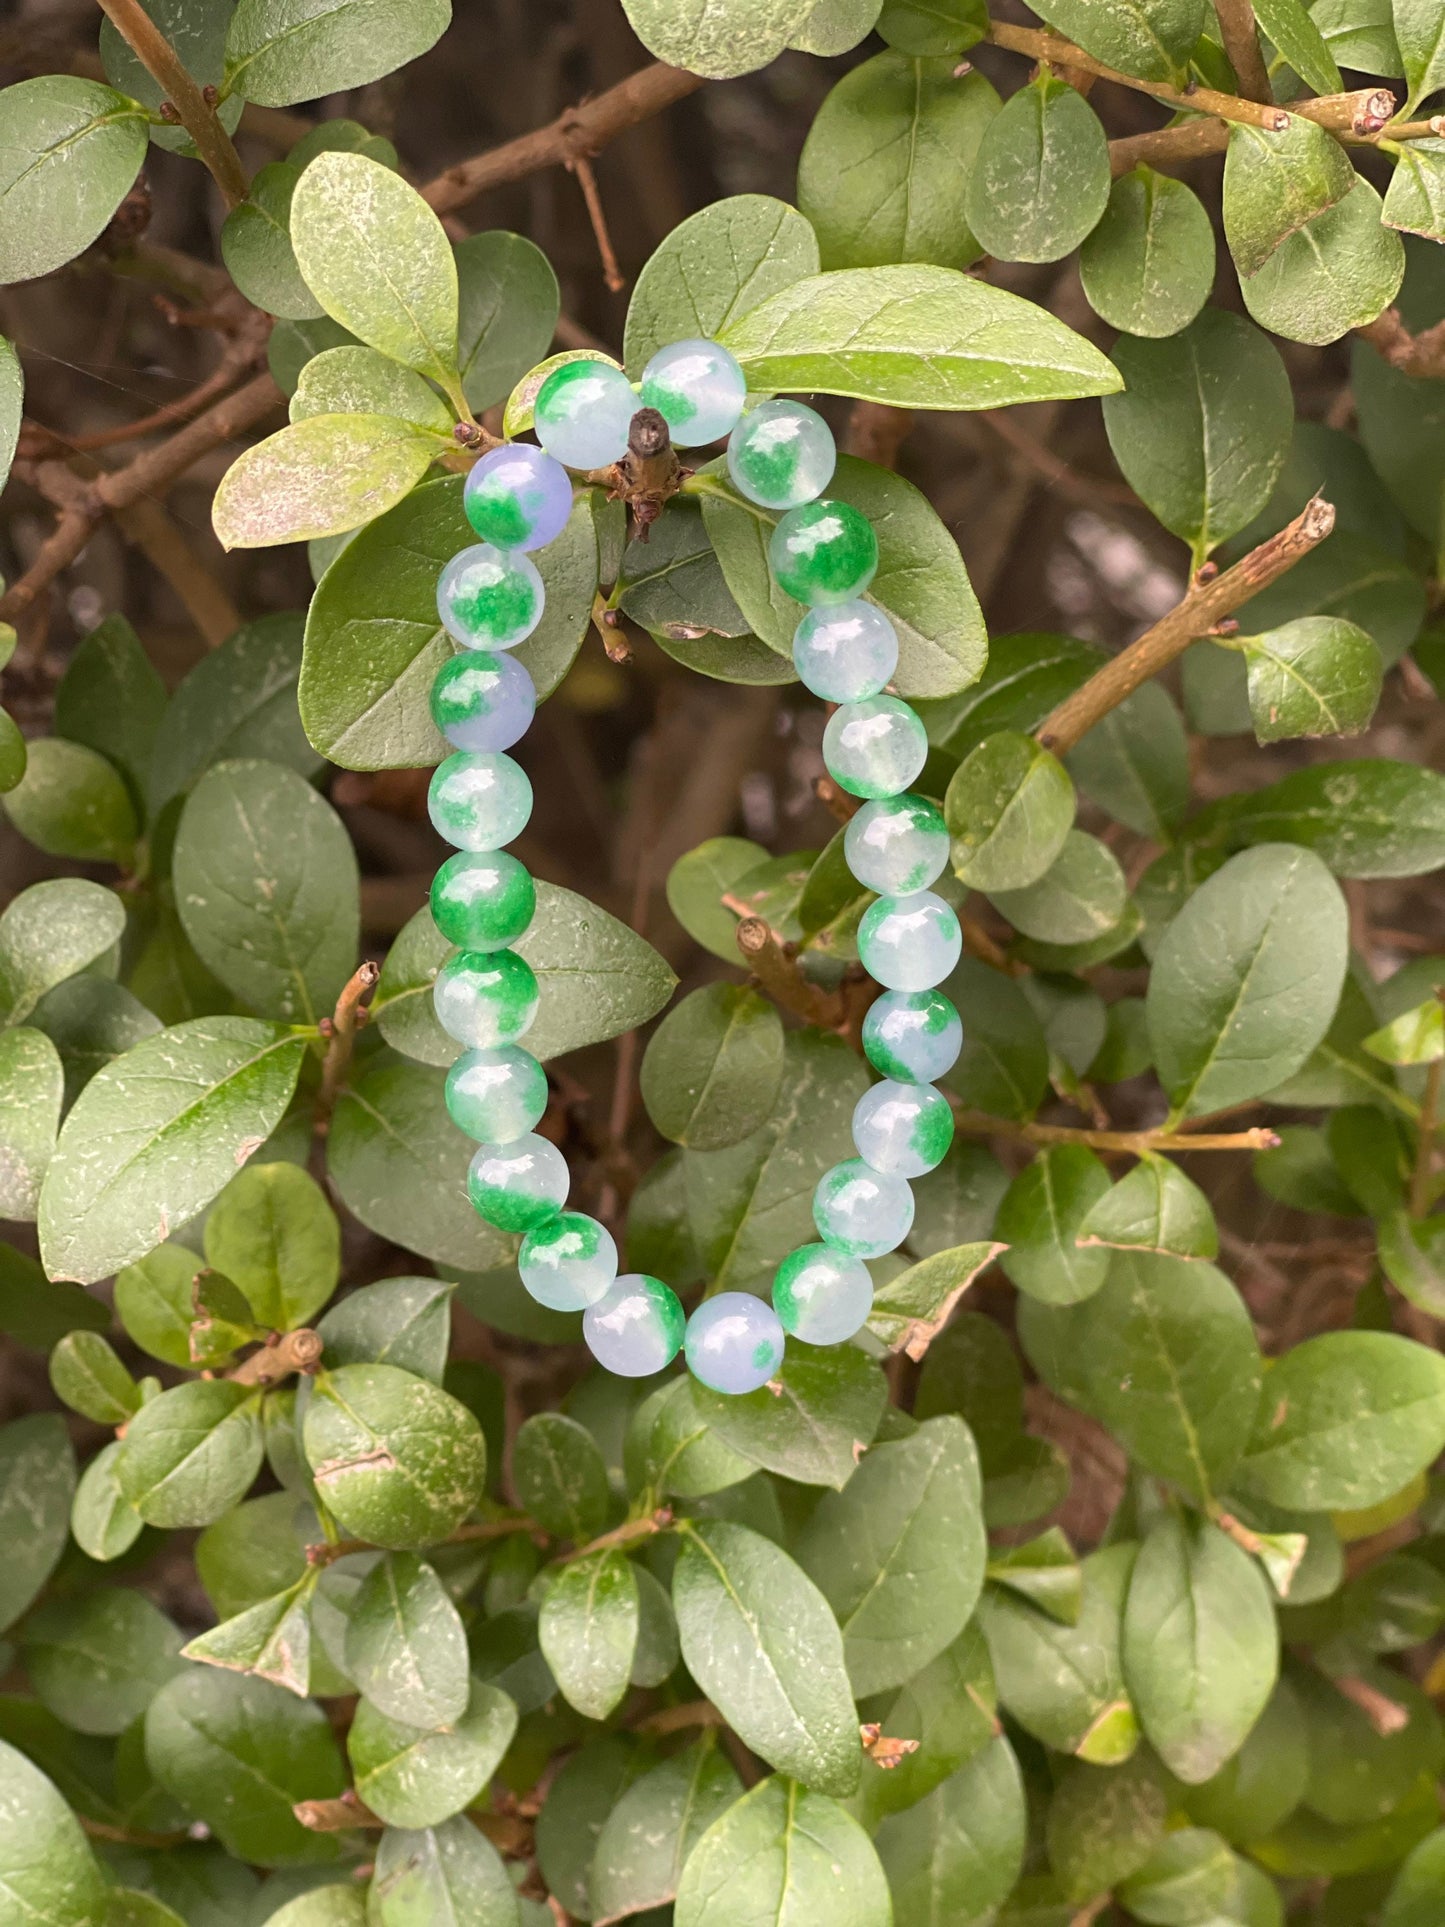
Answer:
(1415, 199)
(1201, 1650)
(413, 1777)
(192, 1452)
(1338, 272)
(322, 476)
(717, 42)
(1345, 1421)
(1065, 1683)
(31, 1090)
(1004, 1065)
(1154, 1208)
(37, 1480)
(916, 336)
(69, 151)
(962, 1847)
(103, 1523)
(1078, 898)
(1046, 1572)
(72, 802)
(197, 31)
(256, 246)
(912, 1308)
(1247, 978)
(712, 1069)
(449, 1874)
(238, 1753)
(1150, 38)
(648, 1837)
(1419, 1886)
(38, 1311)
(97, 1660)
(887, 159)
(281, 51)
(1148, 266)
(760, 1641)
(508, 305)
(1357, 1773)
(356, 380)
(1297, 37)
(405, 1645)
(400, 1321)
(1415, 1037)
(588, 1630)
(932, 27)
(1103, 1824)
(1371, 818)
(779, 1854)
(949, 1708)
(1276, 183)
(273, 1234)
(50, 932)
(271, 1640)
(112, 700)
(92, 1021)
(374, 642)
(1009, 807)
(1421, 36)
(328, 1906)
(1203, 427)
(829, 1405)
(400, 1462)
(47, 1870)
(672, 584)
(1042, 1219)
(86, 1375)
(1316, 677)
(154, 1136)
(899, 1553)
(835, 26)
(671, 1447)
(580, 1799)
(561, 1477)
(12, 403)
(1040, 179)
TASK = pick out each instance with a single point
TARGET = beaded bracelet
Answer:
(824, 554)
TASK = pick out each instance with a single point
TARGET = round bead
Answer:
(821, 1296)
(913, 1036)
(862, 1212)
(485, 998)
(698, 388)
(824, 553)
(909, 943)
(518, 1186)
(897, 845)
(496, 1095)
(904, 1129)
(490, 598)
(636, 1327)
(846, 653)
(483, 702)
(781, 455)
(569, 1262)
(479, 801)
(583, 413)
(875, 748)
(518, 497)
(734, 1342)
(482, 901)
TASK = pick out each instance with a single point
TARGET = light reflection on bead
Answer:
(479, 802)
(481, 701)
(824, 553)
(496, 1095)
(518, 497)
(820, 1295)
(897, 845)
(734, 1342)
(860, 1211)
(875, 748)
(904, 1129)
(912, 1035)
(782, 455)
(909, 943)
(568, 1263)
(698, 389)
(482, 900)
(520, 1185)
(490, 598)
(845, 653)
(636, 1328)
(583, 413)
(484, 998)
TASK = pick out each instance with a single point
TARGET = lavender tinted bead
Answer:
(490, 598)
(479, 802)
(496, 1095)
(862, 1212)
(845, 653)
(583, 413)
(782, 455)
(481, 701)
(875, 748)
(636, 1327)
(909, 943)
(698, 388)
(518, 497)
(520, 1185)
(568, 1263)
(912, 1035)
(482, 900)
(820, 1295)
(897, 845)
(485, 998)
(904, 1129)
(734, 1342)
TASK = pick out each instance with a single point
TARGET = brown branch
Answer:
(676, 1719)
(342, 1815)
(627, 1534)
(980, 1124)
(128, 1836)
(1422, 354)
(1055, 51)
(876, 432)
(478, 1532)
(283, 1354)
(1423, 1173)
(587, 180)
(341, 1028)
(1357, 119)
(1241, 42)
(1090, 489)
(240, 354)
(1209, 599)
(149, 525)
(196, 113)
(777, 972)
(1387, 1716)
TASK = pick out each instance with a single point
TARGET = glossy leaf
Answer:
(1009, 808)
(783, 1852)
(588, 1630)
(711, 1071)
(1040, 181)
(1148, 265)
(648, 1837)
(405, 1645)
(69, 151)
(282, 51)
(811, 1430)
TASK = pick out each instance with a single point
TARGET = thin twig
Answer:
(1241, 42)
(1090, 489)
(1421, 1178)
(980, 1124)
(1387, 1716)
(1052, 48)
(1420, 354)
(195, 112)
(349, 1016)
(284, 1354)
(587, 180)
(627, 1534)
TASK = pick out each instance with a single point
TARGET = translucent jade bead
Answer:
(583, 413)
(479, 801)
(824, 553)
(569, 1262)
(875, 748)
(904, 1129)
(821, 1296)
(862, 1212)
(496, 1095)
(897, 845)
(518, 1186)
(636, 1327)
(483, 702)
(734, 1342)
(847, 653)
(909, 943)
(698, 389)
(913, 1036)
(782, 455)
(484, 998)
(482, 900)
(490, 598)
(518, 497)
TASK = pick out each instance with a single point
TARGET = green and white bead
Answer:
(637, 1326)
(912, 1036)
(482, 701)
(862, 1212)
(479, 801)
(490, 598)
(583, 413)
(496, 1095)
(485, 998)
(909, 943)
(698, 389)
(482, 900)
(897, 845)
(568, 1263)
(823, 553)
(875, 748)
(821, 1295)
(904, 1129)
(518, 1186)
(782, 455)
